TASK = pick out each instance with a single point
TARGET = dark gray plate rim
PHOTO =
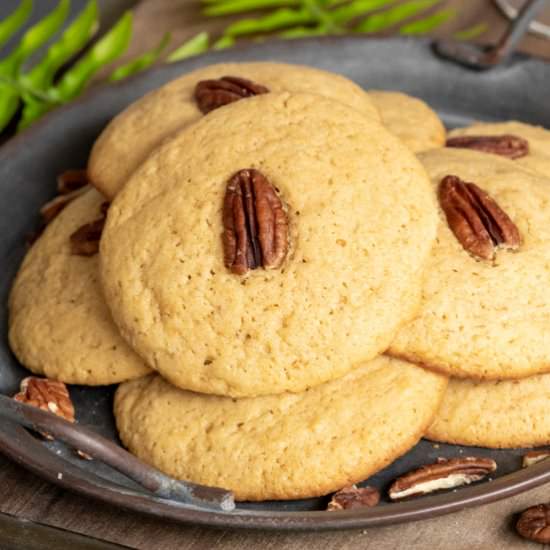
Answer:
(404, 64)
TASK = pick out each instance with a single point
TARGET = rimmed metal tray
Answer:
(30, 163)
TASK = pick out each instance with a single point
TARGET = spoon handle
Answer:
(510, 39)
(106, 451)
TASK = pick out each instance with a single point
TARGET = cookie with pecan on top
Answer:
(272, 246)
(133, 134)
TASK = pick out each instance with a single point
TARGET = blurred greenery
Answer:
(296, 18)
(27, 93)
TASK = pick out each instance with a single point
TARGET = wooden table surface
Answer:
(26, 497)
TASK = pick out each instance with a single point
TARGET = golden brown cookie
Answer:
(285, 446)
(135, 132)
(59, 324)
(500, 413)
(358, 205)
(410, 119)
(537, 137)
(483, 318)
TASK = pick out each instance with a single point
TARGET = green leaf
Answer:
(301, 32)
(230, 7)
(196, 45)
(75, 37)
(13, 22)
(394, 16)
(344, 14)
(223, 42)
(106, 50)
(32, 111)
(471, 32)
(428, 24)
(278, 19)
(34, 38)
(140, 63)
(16, 85)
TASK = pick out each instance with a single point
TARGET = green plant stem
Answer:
(231, 7)
(13, 22)
(194, 46)
(393, 16)
(279, 19)
(107, 49)
(142, 62)
(75, 37)
(223, 43)
(471, 32)
(22, 90)
(348, 12)
(302, 32)
(35, 37)
(428, 24)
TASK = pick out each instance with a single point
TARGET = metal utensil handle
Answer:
(536, 27)
(519, 27)
(100, 448)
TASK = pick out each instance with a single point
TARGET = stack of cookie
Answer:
(284, 288)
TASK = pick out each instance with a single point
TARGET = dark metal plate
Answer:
(29, 164)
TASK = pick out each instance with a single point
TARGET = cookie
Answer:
(483, 319)
(134, 133)
(59, 325)
(499, 414)
(361, 222)
(410, 119)
(537, 159)
(286, 446)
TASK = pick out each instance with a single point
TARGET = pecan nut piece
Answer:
(476, 220)
(48, 395)
(534, 523)
(71, 180)
(532, 457)
(354, 497)
(211, 94)
(51, 396)
(255, 224)
(52, 208)
(506, 145)
(444, 474)
(85, 240)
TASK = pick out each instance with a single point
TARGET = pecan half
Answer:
(532, 457)
(506, 145)
(85, 240)
(51, 396)
(444, 474)
(48, 395)
(354, 497)
(211, 94)
(534, 523)
(71, 180)
(476, 220)
(255, 224)
(52, 208)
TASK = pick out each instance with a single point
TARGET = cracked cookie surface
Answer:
(134, 133)
(486, 319)
(285, 446)
(59, 324)
(362, 221)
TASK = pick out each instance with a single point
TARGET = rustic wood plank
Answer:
(22, 534)
(26, 496)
